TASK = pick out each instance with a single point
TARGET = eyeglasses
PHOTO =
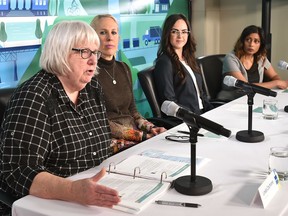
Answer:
(87, 53)
(250, 40)
(178, 138)
(178, 33)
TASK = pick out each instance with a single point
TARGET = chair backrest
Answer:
(148, 86)
(211, 69)
(6, 198)
(4, 98)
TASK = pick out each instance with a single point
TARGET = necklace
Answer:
(112, 77)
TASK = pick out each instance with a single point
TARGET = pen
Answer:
(172, 203)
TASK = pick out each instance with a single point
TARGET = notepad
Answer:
(141, 179)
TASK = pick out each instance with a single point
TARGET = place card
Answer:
(267, 190)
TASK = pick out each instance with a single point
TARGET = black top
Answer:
(253, 73)
(184, 95)
(43, 130)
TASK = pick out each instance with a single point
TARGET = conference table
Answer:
(236, 168)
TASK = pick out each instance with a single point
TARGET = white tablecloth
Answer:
(236, 169)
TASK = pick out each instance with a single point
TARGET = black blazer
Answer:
(184, 95)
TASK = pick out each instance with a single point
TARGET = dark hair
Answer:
(239, 45)
(188, 50)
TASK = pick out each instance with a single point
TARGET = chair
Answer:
(4, 97)
(211, 70)
(148, 86)
(6, 198)
(5, 94)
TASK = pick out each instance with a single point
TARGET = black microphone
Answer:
(248, 87)
(172, 109)
(283, 65)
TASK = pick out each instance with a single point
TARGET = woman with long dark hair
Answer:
(248, 62)
(176, 72)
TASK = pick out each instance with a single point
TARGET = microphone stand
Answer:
(192, 184)
(250, 135)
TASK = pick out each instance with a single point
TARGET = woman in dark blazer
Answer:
(176, 74)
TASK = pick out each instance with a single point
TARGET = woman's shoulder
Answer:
(124, 69)
(41, 83)
(231, 58)
(36, 91)
(163, 56)
(264, 60)
(121, 63)
(230, 55)
(163, 60)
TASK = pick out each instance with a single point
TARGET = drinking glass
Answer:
(270, 109)
(278, 160)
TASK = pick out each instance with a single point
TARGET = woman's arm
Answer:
(164, 79)
(83, 191)
(120, 131)
(275, 80)
(232, 67)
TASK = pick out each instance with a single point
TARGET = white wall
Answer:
(218, 23)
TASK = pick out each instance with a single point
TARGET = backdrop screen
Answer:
(24, 25)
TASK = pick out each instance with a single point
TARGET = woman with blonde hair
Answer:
(127, 125)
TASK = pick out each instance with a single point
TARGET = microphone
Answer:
(248, 87)
(283, 65)
(172, 109)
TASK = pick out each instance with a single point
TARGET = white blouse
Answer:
(195, 83)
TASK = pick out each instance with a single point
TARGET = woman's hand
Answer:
(157, 130)
(89, 192)
(282, 84)
(84, 191)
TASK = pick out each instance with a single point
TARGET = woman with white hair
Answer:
(55, 124)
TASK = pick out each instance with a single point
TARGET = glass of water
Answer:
(278, 160)
(270, 109)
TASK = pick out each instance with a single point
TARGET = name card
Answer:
(267, 190)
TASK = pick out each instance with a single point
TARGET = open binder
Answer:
(141, 179)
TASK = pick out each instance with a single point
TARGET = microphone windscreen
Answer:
(282, 65)
(229, 81)
(169, 108)
(225, 132)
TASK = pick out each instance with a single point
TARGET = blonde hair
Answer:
(59, 43)
(97, 18)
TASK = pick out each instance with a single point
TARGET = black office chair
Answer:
(6, 198)
(148, 86)
(5, 94)
(4, 97)
(211, 70)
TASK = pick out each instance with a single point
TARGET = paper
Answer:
(136, 193)
(200, 161)
(151, 168)
(142, 178)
